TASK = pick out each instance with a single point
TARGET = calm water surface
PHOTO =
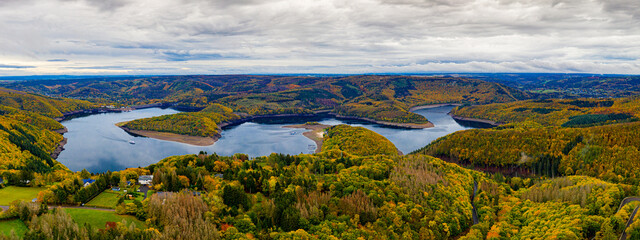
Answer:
(95, 143)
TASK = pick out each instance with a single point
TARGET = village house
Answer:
(145, 179)
(87, 182)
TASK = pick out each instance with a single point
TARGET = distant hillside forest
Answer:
(580, 112)
(381, 98)
(566, 85)
(376, 98)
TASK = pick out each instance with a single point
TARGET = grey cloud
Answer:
(179, 56)
(15, 66)
(58, 60)
(629, 7)
(120, 68)
(98, 67)
(108, 5)
(247, 36)
(133, 45)
(12, 2)
(428, 3)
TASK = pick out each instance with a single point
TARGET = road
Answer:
(628, 200)
(144, 189)
(624, 202)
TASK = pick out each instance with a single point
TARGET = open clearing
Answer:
(98, 218)
(12, 193)
(106, 199)
(16, 225)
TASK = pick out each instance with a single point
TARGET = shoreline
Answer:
(256, 117)
(475, 120)
(388, 124)
(414, 108)
(166, 136)
(59, 148)
(207, 141)
(61, 131)
(316, 134)
(72, 114)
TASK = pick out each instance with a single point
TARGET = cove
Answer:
(96, 144)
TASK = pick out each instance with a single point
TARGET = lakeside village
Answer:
(132, 190)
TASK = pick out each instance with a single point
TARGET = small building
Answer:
(87, 182)
(145, 179)
(115, 189)
(129, 183)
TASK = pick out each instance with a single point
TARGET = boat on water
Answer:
(132, 142)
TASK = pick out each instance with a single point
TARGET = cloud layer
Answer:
(318, 36)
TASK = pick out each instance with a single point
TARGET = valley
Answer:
(339, 157)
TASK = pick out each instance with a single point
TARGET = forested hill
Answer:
(567, 85)
(338, 195)
(357, 140)
(46, 106)
(558, 112)
(382, 98)
(202, 124)
(594, 137)
(608, 152)
(29, 135)
(175, 88)
(25, 152)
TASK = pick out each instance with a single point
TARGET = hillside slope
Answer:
(382, 99)
(555, 112)
(46, 106)
(608, 152)
(357, 140)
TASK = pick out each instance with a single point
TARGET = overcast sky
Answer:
(318, 36)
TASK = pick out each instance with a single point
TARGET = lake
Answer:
(96, 144)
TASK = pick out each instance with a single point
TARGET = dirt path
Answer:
(474, 213)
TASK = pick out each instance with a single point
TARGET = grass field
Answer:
(98, 218)
(12, 193)
(16, 225)
(107, 199)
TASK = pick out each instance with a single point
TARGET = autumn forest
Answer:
(547, 163)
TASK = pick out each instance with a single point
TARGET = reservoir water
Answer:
(95, 143)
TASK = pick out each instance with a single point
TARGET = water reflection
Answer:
(95, 143)
(408, 140)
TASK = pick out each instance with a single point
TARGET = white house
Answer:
(87, 182)
(145, 179)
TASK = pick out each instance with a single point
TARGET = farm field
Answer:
(12, 193)
(98, 218)
(106, 199)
